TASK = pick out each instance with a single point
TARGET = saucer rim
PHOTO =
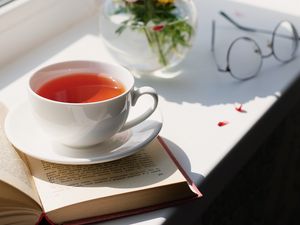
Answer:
(89, 160)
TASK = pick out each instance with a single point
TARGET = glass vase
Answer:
(148, 36)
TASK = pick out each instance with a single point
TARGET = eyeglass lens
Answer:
(244, 58)
(285, 41)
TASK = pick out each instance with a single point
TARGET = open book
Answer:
(145, 181)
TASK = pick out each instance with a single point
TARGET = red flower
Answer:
(158, 27)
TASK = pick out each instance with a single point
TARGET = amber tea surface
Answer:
(81, 88)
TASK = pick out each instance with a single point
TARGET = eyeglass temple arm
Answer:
(213, 37)
(228, 18)
(243, 27)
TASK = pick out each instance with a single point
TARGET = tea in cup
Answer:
(83, 103)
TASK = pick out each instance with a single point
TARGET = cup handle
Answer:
(135, 94)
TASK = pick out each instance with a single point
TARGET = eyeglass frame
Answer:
(249, 29)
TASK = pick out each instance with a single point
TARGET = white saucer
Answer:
(23, 132)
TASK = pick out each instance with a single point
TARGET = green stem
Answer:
(162, 57)
(150, 10)
(150, 42)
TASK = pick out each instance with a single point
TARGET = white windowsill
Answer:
(191, 104)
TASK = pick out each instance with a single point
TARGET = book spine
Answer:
(44, 220)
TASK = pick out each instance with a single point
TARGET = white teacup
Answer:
(86, 124)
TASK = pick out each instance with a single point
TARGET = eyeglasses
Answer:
(283, 46)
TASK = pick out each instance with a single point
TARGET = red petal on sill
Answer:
(158, 27)
(222, 123)
(240, 109)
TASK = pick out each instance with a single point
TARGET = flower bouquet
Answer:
(157, 32)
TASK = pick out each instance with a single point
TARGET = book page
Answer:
(13, 169)
(63, 185)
